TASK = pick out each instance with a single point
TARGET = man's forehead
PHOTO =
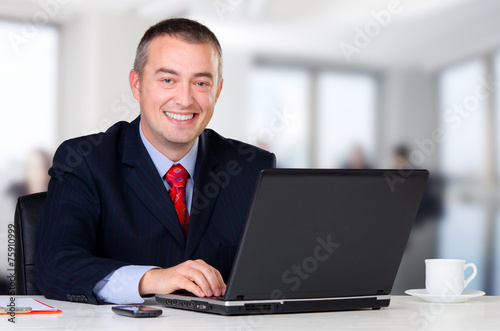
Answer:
(180, 51)
(172, 43)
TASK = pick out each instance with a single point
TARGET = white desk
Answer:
(404, 313)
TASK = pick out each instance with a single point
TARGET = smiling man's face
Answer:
(177, 92)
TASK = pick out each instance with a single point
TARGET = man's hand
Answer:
(196, 277)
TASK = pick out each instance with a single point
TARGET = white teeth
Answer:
(178, 117)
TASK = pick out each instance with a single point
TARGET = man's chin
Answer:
(180, 141)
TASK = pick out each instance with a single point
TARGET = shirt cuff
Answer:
(122, 285)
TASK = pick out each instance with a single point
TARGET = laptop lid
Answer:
(314, 233)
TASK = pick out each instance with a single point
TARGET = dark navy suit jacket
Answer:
(107, 207)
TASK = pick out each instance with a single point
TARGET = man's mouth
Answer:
(179, 117)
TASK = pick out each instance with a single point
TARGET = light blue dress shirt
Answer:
(122, 285)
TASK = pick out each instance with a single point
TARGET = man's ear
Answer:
(133, 79)
(219, 89)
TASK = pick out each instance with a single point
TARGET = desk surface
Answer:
(404, 313)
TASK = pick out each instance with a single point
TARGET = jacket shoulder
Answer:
(91, 144)
(94, 139)
(229, 147)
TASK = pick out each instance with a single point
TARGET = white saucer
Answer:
(424, 295)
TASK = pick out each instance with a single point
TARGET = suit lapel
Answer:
(206, 191)
(144, 181)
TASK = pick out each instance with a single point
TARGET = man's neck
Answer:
(174, 152)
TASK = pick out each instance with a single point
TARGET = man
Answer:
(115, 226)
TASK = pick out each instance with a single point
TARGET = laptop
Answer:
(318, 240)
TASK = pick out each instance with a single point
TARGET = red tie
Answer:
(177, 178)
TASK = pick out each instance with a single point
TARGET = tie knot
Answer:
(177, 176)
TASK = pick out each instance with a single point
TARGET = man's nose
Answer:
(184, 95)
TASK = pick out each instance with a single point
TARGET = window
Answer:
(312, 117)
(280, 114)
(464, 120)
(29, 96)
(346, 117)
(496, 236)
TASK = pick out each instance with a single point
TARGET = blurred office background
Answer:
(323, 83)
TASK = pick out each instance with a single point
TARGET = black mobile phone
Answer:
(137, 311)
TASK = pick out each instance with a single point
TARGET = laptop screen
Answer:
(314, 233)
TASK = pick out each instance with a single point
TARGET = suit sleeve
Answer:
(68, 263)
(272, 161)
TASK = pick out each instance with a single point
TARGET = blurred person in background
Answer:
(431, 204)
(357, 159)
(36, 175)
(401, 158)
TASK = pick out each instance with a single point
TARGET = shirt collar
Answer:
(163, 163)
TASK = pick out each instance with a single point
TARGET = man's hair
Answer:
(183, 28)
(403, 151)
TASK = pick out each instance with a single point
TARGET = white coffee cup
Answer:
(445, 277)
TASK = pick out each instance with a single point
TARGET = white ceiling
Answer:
(426, 33)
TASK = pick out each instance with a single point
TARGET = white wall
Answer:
(97, 54)
(409, 114)
(231, 112)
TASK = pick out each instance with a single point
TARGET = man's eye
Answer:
(202, 84)
(168, 80)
